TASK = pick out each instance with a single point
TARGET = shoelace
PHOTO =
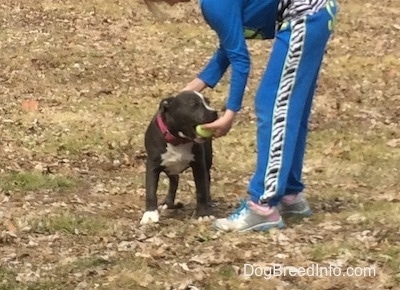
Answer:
(239, 211)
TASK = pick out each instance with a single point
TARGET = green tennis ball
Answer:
(205, 133)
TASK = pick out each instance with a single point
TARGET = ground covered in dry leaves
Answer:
(79, 80)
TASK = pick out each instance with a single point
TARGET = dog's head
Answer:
(185, 111)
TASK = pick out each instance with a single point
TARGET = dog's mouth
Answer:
(198, 138)
(192, 136)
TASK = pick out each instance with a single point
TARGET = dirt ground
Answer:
(79, 81)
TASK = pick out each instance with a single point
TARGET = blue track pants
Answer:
(283, 103)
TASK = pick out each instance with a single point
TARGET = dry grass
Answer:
(72, 172)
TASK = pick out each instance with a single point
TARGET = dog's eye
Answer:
(194, 104)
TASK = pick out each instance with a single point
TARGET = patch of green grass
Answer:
(31, 181)
(71, 223)
(83, 134)
(123, 107)
(90, 262)
(83, 265)
(377, 211)
(75, 144)
(133, 272)
(246, 158)
(394, 259)
(225, 277)
(48, 285)
(371, 213)
(8, 282)
(323, 251)
(389, 260)
(227, 272)
(7, 279)
(343, 156)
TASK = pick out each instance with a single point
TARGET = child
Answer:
(301, 29)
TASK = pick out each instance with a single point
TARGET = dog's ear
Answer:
(164, 104)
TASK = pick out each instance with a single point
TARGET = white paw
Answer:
(163, 207)
(206, 218)
(150, 217)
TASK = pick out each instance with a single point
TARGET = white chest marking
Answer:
(177, 158)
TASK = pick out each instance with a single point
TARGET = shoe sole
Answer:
(306, 213)
(264, 227)
(258, 227)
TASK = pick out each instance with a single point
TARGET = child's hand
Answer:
(222, 125)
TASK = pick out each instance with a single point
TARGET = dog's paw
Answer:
(162, 207)
(167, 205)
(204, 210)
(206, 218)
(150, 217)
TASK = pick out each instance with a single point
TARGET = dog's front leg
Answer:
(202, 182)
(169, 201)
(152, 177)
(208, 156)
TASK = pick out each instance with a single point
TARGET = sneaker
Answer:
(250, 216)
(295, 205)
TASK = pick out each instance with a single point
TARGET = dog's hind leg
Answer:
(169, 201)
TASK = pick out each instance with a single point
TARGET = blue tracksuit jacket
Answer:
(234, 21)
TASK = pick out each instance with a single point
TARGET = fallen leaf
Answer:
(184, 266)
(356, 218)
(12, 230)
(393, 143)
(186, 284)
(30, 105)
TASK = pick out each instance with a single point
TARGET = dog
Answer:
(172, 146)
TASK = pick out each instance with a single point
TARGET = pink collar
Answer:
(169, 138)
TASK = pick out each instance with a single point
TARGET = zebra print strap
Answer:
(290, 9)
